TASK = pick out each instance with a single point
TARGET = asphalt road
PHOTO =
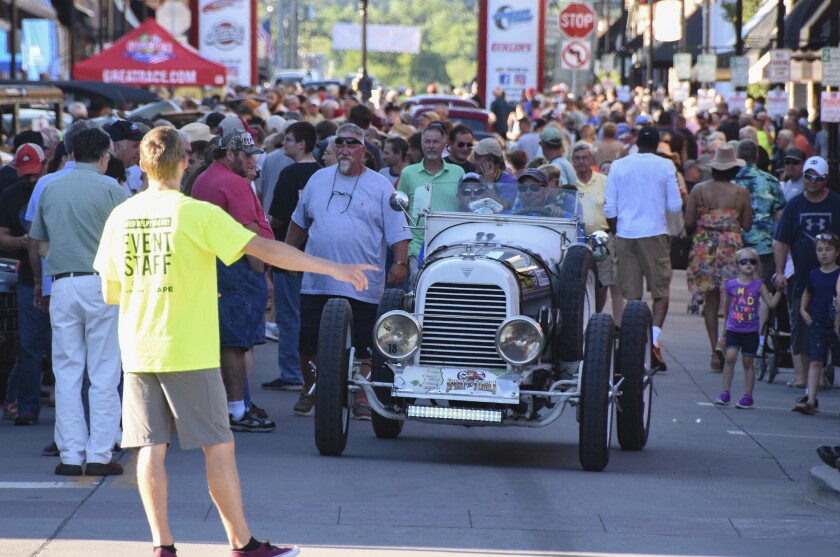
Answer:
(711, 482)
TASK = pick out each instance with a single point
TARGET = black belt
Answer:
(65, 275)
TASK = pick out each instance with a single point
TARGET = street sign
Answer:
(830, 107)
(778, 70)
(831, 67)
(737, 102)
(739, 71)
(777, 103)
(575, 55)
(577, 20)
(680, 91)
(706, 68)
(682, 65)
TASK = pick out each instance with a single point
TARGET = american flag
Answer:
(264, 33)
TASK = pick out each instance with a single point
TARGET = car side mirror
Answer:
(598, 242)
(399, 202)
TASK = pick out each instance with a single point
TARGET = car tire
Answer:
(596, 407)
(634, 361)
(332, 403)
(385, 428)
(576, 300)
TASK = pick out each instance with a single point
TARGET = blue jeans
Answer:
(35, 334)
(287, 308)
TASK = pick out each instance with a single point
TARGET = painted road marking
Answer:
(739, 432)
(82, 483)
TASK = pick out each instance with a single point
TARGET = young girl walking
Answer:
(742, 295)
(817, 310)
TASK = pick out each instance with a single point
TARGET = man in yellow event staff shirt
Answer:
(157, 260)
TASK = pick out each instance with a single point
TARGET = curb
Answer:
(824, 486)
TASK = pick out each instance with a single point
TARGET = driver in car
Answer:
(533, 195)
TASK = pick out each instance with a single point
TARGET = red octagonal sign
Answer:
(577, 20)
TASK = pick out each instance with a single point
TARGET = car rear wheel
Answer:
(332, 402)
(634, 349)
(596, 404)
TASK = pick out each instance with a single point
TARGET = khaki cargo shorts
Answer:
(607, 268)
(192, 403)
(644, 257)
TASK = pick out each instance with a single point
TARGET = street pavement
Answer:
(711, 482)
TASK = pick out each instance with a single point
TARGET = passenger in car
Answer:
(474, 196)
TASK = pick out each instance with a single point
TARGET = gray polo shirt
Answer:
(71, 215)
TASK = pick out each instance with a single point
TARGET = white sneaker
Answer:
(271, 331)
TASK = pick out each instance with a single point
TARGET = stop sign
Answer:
(577, 20)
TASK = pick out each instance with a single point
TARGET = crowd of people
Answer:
(116, 256)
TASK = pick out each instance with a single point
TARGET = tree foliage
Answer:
(448, 43)
(730, 9)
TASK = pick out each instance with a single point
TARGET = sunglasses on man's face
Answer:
(468, 192)
(462, 144)
(523, 189)
(347, 141)
(813, 177)
(748, 261)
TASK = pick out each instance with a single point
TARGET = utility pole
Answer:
(364, 86)
(833, 40)
(13, 40)
(649, 77)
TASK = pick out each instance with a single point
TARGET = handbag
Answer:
(680, 251)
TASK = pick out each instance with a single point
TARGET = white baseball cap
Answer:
(817, 164)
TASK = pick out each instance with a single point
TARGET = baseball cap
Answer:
(231, 123)
(551, 135)
(123, 129)
(197, 131)
(240, 140)
(795, 154)
(469, 177)
(648, 137)
(213, 119)
(622, 129)
(817, 164)
(29, 159)
(488, 146)
(534, 174)
(28, 136)
(642, 120)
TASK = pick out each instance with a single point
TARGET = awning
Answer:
(806, 26)
(116, 94)
(149, 55)
(38, 8)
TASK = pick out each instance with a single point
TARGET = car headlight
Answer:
(519, 340)
(397, 335)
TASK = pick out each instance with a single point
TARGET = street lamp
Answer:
(364, 86)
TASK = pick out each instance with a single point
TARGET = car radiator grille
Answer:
(459, 325)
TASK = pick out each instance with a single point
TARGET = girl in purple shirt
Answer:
(742, 300)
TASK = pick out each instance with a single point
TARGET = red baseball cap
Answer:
(29, 159)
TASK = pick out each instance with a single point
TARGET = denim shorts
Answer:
(243, 296)
(747, 342)
(822, 340)
(364, 318)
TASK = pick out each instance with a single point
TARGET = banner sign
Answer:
(737, 102)
(510, 48)
(380, 38)
(227, 34)
(705, 99)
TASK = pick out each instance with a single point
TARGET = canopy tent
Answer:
(149, 55)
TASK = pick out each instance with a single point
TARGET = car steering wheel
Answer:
(544, 211)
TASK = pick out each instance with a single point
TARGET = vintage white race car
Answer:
(498, 330)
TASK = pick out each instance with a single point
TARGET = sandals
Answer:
(792, 383)
(716, 365)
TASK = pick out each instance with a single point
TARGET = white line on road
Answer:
(738, 432)
(43, 485)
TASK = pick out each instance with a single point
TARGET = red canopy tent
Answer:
(149, 55)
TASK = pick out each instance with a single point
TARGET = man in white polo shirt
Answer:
(641, 189)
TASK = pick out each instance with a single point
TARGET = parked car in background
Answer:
(476, 119)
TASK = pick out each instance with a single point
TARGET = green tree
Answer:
(730, 9)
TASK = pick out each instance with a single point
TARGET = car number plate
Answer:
(484, 385)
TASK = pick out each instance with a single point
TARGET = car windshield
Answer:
(499, 198)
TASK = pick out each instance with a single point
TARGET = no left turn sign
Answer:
(575, 55)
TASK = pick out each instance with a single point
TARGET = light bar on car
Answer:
(455, 414)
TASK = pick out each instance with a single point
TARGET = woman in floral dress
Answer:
(718, 210)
